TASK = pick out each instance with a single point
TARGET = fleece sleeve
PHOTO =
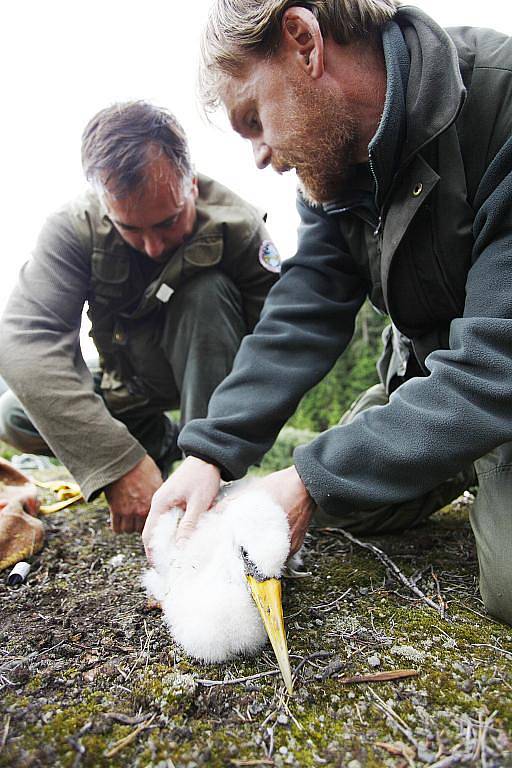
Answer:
(435, 426)
(307, 321)
(41, 360)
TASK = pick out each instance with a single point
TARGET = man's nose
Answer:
(154, 245)
(262, 154)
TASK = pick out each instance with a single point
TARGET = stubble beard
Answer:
(322, 143)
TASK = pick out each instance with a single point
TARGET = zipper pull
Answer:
(378, 229)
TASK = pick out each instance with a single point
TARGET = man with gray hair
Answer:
(401, 136)
(174, 268)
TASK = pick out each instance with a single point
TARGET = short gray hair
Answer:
(120, 140)
(236, 28)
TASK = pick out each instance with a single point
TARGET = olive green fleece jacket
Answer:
(40, 356)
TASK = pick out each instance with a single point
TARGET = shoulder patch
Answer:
(269, 256)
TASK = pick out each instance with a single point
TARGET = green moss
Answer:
(165, 689)
(460, 673)
(34, 684)
(49, 740)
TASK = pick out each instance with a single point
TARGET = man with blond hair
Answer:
(174, 268)
(401, 136)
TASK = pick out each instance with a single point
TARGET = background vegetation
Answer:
(354, 372)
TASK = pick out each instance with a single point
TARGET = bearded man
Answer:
(401, 136)
(175, 269)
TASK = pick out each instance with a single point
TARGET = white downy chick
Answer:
(202, 586)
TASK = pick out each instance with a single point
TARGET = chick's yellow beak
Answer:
(267, 596)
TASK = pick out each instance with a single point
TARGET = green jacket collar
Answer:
(424, 96)
(435, 91)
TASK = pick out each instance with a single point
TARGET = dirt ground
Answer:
(89, 675)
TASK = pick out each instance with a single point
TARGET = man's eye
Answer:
(253, 123)
(168, 223)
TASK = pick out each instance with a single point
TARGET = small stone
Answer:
(282, 719)
(116, 561)
(467, 686)
(374, 661)
(426, 755)
(283, 750)
(354, 764)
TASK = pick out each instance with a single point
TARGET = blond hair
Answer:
(237, 28)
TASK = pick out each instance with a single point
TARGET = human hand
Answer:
(193, 487)
(288, 490)
(129, 497)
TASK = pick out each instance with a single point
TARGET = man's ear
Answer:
(195, 187)
(301, 36)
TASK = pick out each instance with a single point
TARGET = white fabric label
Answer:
(164, 293)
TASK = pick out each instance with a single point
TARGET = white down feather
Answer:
(202, 586)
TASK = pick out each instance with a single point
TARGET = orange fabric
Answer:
(21, 533)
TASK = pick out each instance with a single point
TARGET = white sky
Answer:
(62, 62)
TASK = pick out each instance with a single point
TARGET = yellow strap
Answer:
(47, 509)
(67, 493)
(60, 487)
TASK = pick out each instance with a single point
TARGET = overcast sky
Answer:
(61, 62)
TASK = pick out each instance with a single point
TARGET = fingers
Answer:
(195, 509)
(115, 521)
(193, 488)
(158, 506)
(122, 523)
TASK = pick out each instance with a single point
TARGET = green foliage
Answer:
(281, 454)
(6, 452)
(353, 373)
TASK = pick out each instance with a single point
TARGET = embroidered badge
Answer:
(269, 256)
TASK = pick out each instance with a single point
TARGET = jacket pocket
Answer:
(203, 252)
(110, 272)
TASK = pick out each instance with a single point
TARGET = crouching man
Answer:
(401, 136)
(174, 268)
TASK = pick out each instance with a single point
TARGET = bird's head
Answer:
(266, 593)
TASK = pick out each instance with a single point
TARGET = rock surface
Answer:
(90, 677)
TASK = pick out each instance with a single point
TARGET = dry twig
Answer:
(7, 723)
(397, 720)
(379, 677)
(390, 564)
(237, 680)
(126, 740)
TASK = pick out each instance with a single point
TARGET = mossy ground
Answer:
(90, 677)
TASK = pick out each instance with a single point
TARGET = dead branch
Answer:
(124, 742)
(379, 677)
(390, 564)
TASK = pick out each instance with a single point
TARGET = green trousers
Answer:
(178, 365)
(490, 517)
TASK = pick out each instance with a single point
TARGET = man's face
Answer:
(160, 215)
(294, 122)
